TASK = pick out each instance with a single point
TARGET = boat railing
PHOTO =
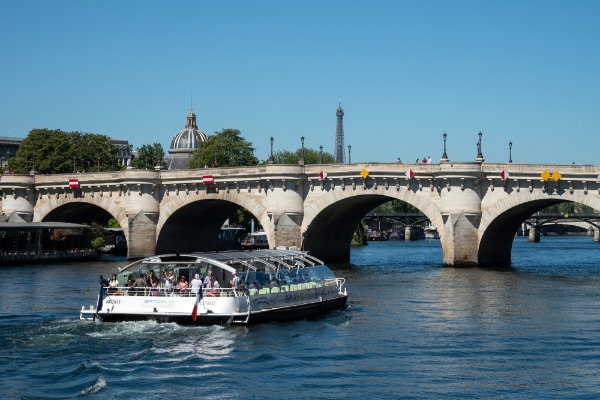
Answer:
(223, 292)
(173, 292)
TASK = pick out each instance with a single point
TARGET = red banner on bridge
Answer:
(73, 183)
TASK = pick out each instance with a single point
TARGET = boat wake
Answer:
(93, 389)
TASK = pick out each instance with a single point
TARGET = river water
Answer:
(412, 329)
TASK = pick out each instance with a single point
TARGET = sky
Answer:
(406, 72)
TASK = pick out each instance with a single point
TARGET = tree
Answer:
(87, 147)
(97, 244)
(148, 156)
(113, 223)
(310, 157)
(395, 206)
(54, 151)
(242, 217)
(568, 208)
(231, 149)
(98, 230)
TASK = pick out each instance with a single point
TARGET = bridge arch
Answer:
(500, 222)
(330, 221)
(81, 210)
(192, 223)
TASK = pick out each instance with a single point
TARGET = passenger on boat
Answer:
(235, 282)
(213, 288)
(208, 279)
(196, 284)
(140, 284)
(113, 284)
(168, 282)
(153, 284)
(273, 283)
(130, 285)
(256, 285)
(183, 285)
(104, 283)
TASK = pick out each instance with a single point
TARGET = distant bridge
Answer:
(476, 212)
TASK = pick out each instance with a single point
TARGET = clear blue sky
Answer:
(520, 71)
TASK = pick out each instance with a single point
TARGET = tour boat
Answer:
(431, 232)
(274, 285)
(256, 240)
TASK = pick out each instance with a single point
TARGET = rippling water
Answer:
(412, 329)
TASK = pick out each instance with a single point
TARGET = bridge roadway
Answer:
(477, 213)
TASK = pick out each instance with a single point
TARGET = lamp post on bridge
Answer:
(271, 158)
(158, 165)
(479, 154)
(444, 156)
(510, 152)
(321, 154)
(74, 169)
(8, 161)
(349, 158)
(302, 161)
(215, 164)
(33, 170)
(98, 163)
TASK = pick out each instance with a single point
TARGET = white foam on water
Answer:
(95, 388)
(133, 328)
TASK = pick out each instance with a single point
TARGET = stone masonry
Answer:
(476, 212)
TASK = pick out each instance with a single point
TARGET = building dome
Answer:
(188, 139)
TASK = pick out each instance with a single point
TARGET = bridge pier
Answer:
(597, 235)
(534, 234)
(461, 216)
(411, 233)
(141, 236)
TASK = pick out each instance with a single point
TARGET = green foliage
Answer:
(87, 147)
(242, 217)
(113, 223)
(360, 235)
(148, 156)
(568, 208)
(54, 151)
(310, 157)
(395, 206)
(231, 149)
(97, 244)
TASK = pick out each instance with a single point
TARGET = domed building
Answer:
(184, 143)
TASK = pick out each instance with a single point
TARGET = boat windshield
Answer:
(318, 273)
(163, 270)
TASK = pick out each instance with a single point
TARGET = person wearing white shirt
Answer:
(196, 284)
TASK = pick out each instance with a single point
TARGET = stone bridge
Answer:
(476, 212)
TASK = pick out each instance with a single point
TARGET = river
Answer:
(412, 329)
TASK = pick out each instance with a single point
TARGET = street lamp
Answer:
(98, 163)
(215, 165)
(349, 158)
(8, 161)
(510, 152)
(302, 161)
(33, 171)
(479, 154)
(271, 159)
(444, 156)
(74, 158)
(321, 154)
(158, 165)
